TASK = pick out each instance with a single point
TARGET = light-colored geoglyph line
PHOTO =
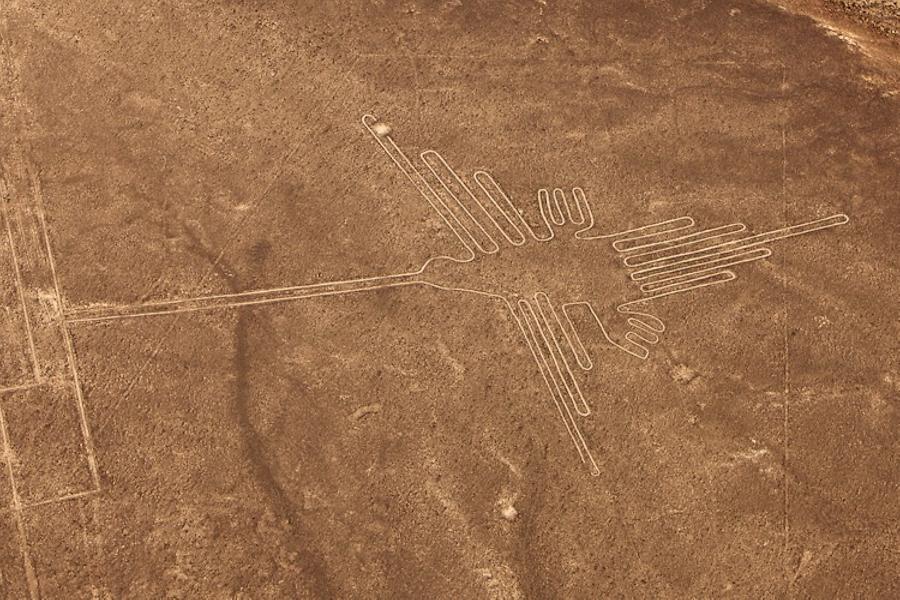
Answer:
(65, 498)
(64, 328)
(19, 388)
(16, 500)
(17, 107)
(29, 235)
(525, 314)
(664, 258)
(682, 272)
(667, 258)
(273, 177)
(533, 315)
(29, 332)
(250, 298)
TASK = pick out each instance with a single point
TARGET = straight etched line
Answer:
(401, 280)
(167, 307)
(274, 176)
(86, 542)
(31, 226)
(17, 509)
(98, 540)
(561, 365)
(67, 338)
(19, 388)
(786, 343)
(581, 445)
(66, 498)
(19, 286)
(26, 260)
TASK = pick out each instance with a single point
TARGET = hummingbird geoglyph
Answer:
(543, 273)
(571, 260)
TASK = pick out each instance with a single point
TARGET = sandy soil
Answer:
(191, 407)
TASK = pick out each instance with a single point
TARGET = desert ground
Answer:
(449, 299)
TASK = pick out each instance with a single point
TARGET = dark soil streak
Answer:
(311, 564)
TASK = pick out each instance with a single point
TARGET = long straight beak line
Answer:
(659, 257)
(250, 298)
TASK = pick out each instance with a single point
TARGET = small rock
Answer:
(683, 374)
(363, 411)
(509, 512)
(381, 129)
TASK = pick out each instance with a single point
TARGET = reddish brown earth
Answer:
(370, 445)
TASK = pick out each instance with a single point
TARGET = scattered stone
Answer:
(364, 411)
(683, 374)
(381, 129)
(311, 500)
(509, 512)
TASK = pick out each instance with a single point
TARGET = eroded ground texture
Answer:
(187, 414)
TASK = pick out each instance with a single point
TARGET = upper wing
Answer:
(483, 218)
